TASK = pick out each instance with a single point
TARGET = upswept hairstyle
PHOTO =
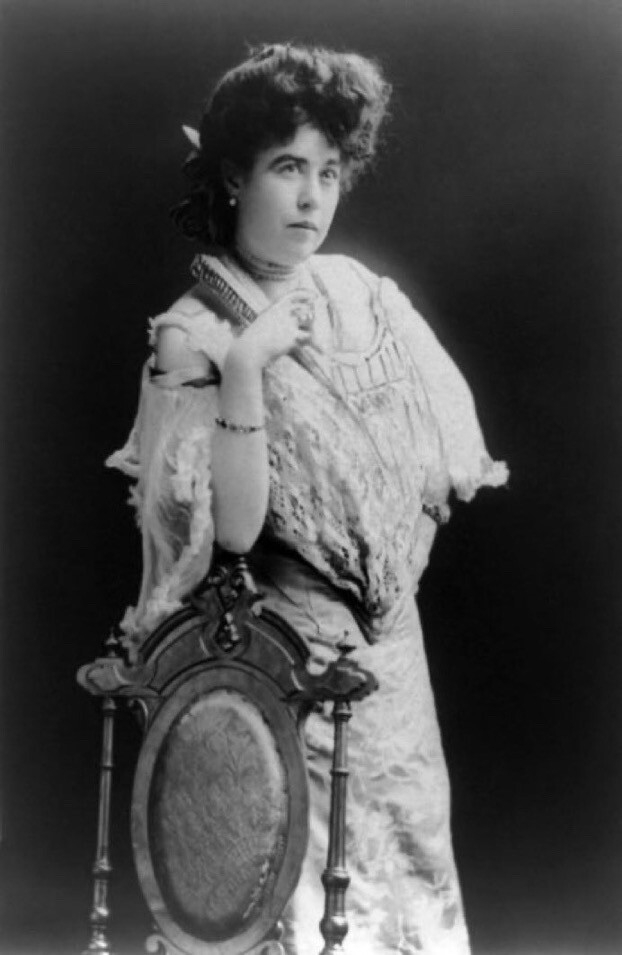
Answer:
(262, 102)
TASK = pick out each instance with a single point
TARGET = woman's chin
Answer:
(293, 257)
(301, 246)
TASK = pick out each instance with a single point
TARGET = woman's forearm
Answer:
(240, 459)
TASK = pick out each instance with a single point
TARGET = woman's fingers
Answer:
(304, 315)
(285, 324)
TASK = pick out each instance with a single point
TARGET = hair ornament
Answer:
(192, 135)
(193, 161)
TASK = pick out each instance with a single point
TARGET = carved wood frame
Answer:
(224, 637)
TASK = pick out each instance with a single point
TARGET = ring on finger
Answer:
(304, 318)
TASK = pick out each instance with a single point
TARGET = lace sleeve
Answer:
(468, 463)
(167, 457)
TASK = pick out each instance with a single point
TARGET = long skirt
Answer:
(404, 894)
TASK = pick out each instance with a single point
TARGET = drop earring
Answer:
(233, 201)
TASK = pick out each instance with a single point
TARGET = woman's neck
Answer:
(262, 269)
(273, 278)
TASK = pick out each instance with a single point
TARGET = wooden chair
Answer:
(220, 800)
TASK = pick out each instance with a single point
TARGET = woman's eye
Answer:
(330, 174)
(288, 167)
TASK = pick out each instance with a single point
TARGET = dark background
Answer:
(497, 207)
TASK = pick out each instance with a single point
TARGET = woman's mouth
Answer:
(309, 226)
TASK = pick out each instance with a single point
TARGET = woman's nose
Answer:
(309, 195)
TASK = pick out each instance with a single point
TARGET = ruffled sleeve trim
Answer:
(168, 459)
(489, 473)
(126, 458)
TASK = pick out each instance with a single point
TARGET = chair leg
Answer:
(100, 911)
(335, 878)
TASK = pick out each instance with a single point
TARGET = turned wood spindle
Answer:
(100, 912)
(335, 878)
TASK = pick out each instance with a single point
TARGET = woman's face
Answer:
(287, 201)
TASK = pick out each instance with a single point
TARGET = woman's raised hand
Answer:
(279, 329)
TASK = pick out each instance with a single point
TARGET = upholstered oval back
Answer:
(220, 809)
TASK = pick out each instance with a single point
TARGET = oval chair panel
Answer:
(220, 810)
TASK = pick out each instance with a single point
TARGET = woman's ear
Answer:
(232, 178)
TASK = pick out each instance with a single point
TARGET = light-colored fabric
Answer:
(205, 332)
(404, 894)
(167, 456)
(463, 451)
(353, 464)
(359, 441)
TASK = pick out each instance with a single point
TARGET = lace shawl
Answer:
(351, 464)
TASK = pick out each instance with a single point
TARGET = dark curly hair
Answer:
(262, 102)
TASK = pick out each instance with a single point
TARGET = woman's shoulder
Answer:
(190, 324)
(189, 311)
(349, 277)
(344, 267)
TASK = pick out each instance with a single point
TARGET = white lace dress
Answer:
(362, 447)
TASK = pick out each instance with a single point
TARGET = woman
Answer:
(296, 407)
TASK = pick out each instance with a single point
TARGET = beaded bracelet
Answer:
(239, 428)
